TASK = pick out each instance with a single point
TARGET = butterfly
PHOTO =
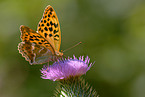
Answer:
(43, 45)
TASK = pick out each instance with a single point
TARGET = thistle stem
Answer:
(74, 87)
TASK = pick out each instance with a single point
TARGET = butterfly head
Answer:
(58, 53)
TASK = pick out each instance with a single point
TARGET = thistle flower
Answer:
(68, 72)
(64, 69)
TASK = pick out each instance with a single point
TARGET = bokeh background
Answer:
(112, 33)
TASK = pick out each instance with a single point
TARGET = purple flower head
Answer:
(63, 69)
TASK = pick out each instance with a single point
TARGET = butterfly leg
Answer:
(64, 56)
(48, 64)
(62, 59)
(58, 60)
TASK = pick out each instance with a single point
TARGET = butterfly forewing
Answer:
(34, 47)
(49, 28)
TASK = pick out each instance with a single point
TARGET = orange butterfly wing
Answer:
(49, 28)
(34, 47)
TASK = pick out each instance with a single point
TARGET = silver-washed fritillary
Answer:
(43, 45)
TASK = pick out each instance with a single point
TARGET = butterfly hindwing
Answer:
(34, 53)
(49, 27)
(34, 47)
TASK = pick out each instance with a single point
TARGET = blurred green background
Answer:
(112, 33)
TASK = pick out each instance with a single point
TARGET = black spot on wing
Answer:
(50, 35)
(45, 34)
(47, 24)
(51, 9)
(53, 16)
(45, 29)
(39, 36)
(46, 43)
(42, 25)
(40, 43)
(55, 25)
(42, 40)
(55, 31)
(39, 29)
(31, 39)
(42, 30)
(50, 13)
(50, 28)
(34, 36)
(48, 19)
(44, 21)
(51, 23)
(37, 39)
(56, 36)
(55, 39)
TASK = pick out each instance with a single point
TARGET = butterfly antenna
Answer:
(72, 47)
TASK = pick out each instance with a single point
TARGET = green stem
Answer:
(74, 87)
